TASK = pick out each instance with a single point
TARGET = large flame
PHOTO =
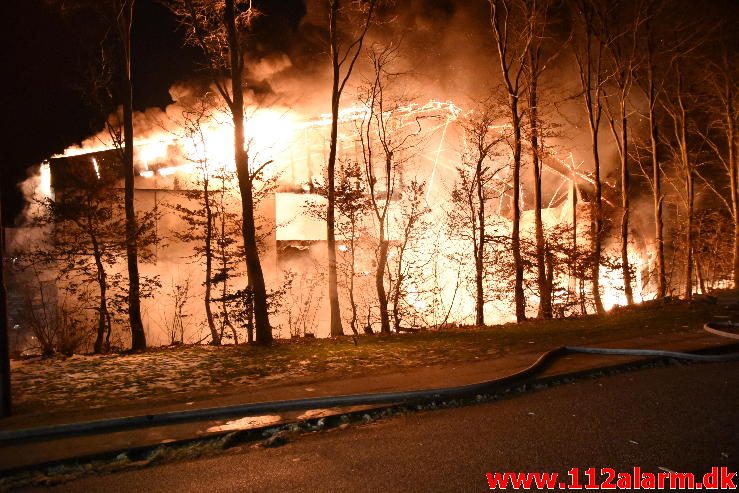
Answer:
(292, 149)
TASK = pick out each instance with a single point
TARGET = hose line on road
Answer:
(395, 398)
(654, 353)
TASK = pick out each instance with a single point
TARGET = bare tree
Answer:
(343, 59)
(85, 243)
(676, 106)
(124, 24)
(539, 15)
(589, 55)
(513, 34)
(226, 231)
(622, 27)
(652, 90)
(116, 63)
(475, 189)
(200, 221)
(352, 204)
(384, 142)
(721, 138)
(220, 31)
(412, 223)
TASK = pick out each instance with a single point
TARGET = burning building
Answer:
(291, 153)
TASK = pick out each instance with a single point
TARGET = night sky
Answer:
(44, 108)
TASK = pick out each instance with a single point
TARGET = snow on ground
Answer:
(174, 373)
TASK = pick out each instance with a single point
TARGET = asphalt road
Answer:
(681, 418)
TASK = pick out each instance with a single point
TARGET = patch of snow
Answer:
(245, 423)
(319, 413)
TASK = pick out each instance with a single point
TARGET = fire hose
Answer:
(394, 398)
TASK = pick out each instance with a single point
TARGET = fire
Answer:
(612, 283)
(292, 150)
(44, 186)
(96, 167)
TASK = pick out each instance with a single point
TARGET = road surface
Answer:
(680, 418)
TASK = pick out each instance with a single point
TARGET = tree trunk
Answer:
(545, 293)
(625, 185)
(699, 273)
(224, 264)
(215, 336)
(224, 311)
(380, 282)
(138, 337)
(689, 186)
(680, 118)
(516, 206)
(99, 346)
(480, 248)
(589, 66)
(577, 280)
(597, 224)
(249, 310)
(656, 177)
(731, 143)
(253, 265)
(690, 199)
(352, 273)
(333, 288)
(5, 395)
(396, 305)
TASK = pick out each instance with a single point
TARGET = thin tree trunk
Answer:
(224, 312)
(480, 248)
(625, 186)
(690, 190)
(545, 294)
(5, 394)
(138, 337)
(380, 281)
(593, 107)
(215, 336)
(516, 206)
(352, 273)
(699, 273)
(597, 224)
(689, 185)
(99, 346)
(224, 263)
(396, 305)
(576, 282)
(253, 265)
(499, 22)
(733, 178)
(333, 288)
(656, 175)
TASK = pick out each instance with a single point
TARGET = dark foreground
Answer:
(679, 418)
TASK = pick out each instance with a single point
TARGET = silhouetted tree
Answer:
(588, 50)
(221, 31)
(343, 59)
(512, 32)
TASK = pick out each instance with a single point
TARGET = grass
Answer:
(183, 373)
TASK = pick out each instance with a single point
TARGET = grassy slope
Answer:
(182, 373)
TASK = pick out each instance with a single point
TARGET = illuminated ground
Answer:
(92, 384)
